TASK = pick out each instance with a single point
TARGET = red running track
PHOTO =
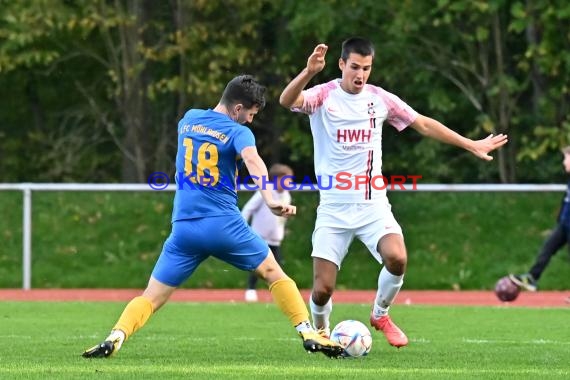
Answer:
(407, 297)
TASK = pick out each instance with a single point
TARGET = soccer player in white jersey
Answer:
(346, 117)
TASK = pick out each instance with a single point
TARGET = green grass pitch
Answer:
(44, 340)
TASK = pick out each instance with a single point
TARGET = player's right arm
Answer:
(292, 95)
(258, 171)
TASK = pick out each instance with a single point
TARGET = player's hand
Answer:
(482, 147)
(280, 209)
(316, 61)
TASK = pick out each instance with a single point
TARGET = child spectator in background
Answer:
(267, 225)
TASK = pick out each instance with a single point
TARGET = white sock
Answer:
(321, 314)
(388, 288)
(304, 326)
(117, 334)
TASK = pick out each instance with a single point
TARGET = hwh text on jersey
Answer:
(353, 135)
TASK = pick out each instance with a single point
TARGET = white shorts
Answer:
(338, 224)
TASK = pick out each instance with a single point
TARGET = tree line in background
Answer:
(92, 90)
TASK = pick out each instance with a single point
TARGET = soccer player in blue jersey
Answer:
(206, 221)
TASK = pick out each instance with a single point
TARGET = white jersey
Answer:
(269, 226)
(347, 138)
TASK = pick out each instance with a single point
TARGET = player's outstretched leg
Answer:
(287, 297)
(313, 342)
(106, 348)
(394, 335)
(135, 315)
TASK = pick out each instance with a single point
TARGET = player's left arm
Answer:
(258, 171)
(432, 128)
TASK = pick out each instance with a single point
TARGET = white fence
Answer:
(28, 188)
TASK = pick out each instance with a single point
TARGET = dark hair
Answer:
(244, 89)
(356, 45)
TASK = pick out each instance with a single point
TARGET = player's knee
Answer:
(396, 265)
(156, 300)
(157, 293)
(322, 294)
(270, 273)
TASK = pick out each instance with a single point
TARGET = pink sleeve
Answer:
(314, 97)
(400, 114)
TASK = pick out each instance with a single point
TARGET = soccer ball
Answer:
(506, 290)
(354, 337)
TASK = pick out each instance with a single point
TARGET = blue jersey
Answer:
(207, 163)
